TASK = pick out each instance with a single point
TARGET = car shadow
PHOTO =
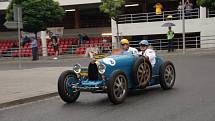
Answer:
(102, 99)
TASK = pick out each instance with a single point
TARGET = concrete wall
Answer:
(91, 32)
(3, 5)
(206, 26)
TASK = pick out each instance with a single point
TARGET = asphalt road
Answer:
(191, 99)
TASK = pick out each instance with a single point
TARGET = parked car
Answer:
(115, 75)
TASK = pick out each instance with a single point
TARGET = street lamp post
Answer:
(183, 25)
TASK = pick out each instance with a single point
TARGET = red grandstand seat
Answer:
(15, 54)
(96, 41)
(75, 42)
(77, 51)
(61, 46)
(70, 42)
(87, 42)
(82, 50)
(87, 45)
(61, 42)
(66, 42)
(65, 47)
(91, 42)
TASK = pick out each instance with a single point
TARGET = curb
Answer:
(28, 100)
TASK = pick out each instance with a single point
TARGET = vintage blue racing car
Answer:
(115, 75)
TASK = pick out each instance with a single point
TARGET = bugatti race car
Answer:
(115, 75)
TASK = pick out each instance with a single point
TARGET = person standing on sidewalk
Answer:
(55, 44)
(170, 36)
(34, 47)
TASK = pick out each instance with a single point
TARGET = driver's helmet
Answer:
(144, 42)
(124, 41)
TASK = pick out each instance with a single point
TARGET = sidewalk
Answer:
(21, 86)
(15, 86)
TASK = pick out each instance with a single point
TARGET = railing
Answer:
(211, 13)
(191, 42)
(152, 16)
(157, 44)
(69, 50)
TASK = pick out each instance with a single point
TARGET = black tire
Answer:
(138, 65)
(114, 90)
(65, 92)
(167, 75)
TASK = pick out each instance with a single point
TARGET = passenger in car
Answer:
(148, 53)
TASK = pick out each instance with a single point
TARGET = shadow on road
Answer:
(102, 101)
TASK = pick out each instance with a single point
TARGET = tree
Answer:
(206, 3)
(113, 8)
(37, 14)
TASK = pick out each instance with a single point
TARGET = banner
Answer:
(55, 31)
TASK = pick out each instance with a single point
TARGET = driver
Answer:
(148, 53)
(126, 48)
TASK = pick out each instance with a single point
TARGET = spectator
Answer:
(86, 38)
(0, 53)
(24, 40)
(188, 9)
(170, 36)
(34, 48)
(81, 38)
(92, 51)
(55, 45)
(180, 8)
(148, 53)
(158, 8)
(169, 18)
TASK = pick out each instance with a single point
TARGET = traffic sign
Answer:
(17, 13)
(12, 25)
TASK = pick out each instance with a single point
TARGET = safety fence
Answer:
(69, 46)
(190, 42)
(106, 46)
(211, 13)
(152, 16)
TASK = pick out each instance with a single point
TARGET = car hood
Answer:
(118, 62)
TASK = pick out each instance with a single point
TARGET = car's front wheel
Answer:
(117, 87)
(66, 82)
(167, 75)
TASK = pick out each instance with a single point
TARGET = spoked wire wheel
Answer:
(66, 83)
(117, 87)
(143, 74)
(167, 75)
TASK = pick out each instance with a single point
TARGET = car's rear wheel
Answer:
(167, 75)
(66, 82)
(142, 72)
(117, 87)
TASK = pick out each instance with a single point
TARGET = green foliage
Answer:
(37, 14)
(112, 7)
(206, 3)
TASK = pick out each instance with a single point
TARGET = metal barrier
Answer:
(69, 50)
(157, 44)
(211, 13)
(152, 16)
(191, 42)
